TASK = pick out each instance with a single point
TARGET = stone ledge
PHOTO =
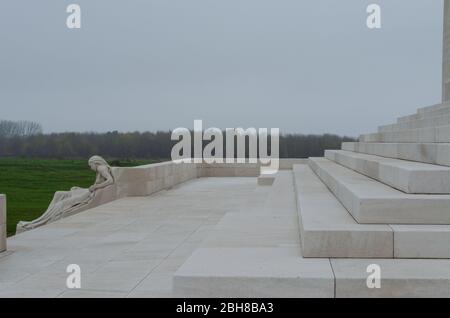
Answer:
(372, 202)
(419, 135)
(438, 111)
(407, 176)
(253, 272)
(433, 107)
(266, 179)
(399, 278)
(433, 153)
(442, 120)
(421, 241)
(328, 230)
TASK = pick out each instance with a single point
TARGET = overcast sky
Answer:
(301, 66)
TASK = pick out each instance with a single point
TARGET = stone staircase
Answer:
(386, 196)
(373, 202)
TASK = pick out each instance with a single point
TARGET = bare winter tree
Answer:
(21, 128)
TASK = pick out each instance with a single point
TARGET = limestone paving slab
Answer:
(111, 244)
(256, 253)
(399, 278)
(272, 225)
(253, 272)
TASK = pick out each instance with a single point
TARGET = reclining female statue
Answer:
(65, 203)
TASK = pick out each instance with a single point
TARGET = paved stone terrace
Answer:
(129, 247)
(223, 237)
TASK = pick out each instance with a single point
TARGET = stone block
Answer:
(327, 229)
(433, 153)
(407, 176)
(2, 223)
(421, 241)
(399, 278)
(440, 111)
(371, 202)
(433, 107)
(2, 209)
(252, 272)
(2, 237)
(266, 179)
(442, 120)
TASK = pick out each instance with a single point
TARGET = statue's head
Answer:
(96, 161)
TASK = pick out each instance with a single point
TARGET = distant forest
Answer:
(26, 140)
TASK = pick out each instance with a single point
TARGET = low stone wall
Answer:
(148, 179)
(242, 169)
(286, 164)
(229, 170)
(2, 223)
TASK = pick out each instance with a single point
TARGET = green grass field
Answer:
(29, 184)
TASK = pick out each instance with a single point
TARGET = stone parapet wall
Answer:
(148, 179)
(229, 170)
(242, 169)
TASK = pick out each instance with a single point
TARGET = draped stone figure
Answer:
(65, 203)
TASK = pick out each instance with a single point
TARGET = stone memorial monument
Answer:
(371, 219)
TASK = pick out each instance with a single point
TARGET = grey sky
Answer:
(303, 66)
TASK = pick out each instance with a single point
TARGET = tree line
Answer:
(138, 145)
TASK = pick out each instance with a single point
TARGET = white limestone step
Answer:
(439, 111)
(421, 241)
(266, 179)
(253, 272)
(328, 230)
(433, 153)
(433, 107)
(244, 272)
(372, 202)
(407, 176)
(420, 135)
(435, 121)
(399, 278)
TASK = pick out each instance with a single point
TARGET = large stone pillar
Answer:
(446, 54)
